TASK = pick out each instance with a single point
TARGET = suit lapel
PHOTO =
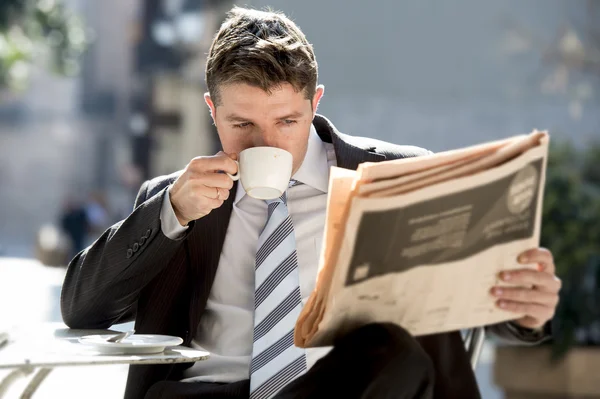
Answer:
(349, 154)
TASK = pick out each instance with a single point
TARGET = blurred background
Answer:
(96, 96)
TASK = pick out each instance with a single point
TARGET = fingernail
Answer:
(506, 276)
(502, 304)
(523, 258)
(497, 291)
(540, 267)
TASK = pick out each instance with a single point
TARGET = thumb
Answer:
(528, 322)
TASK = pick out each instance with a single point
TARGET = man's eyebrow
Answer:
(235, 118)
(238, 118)
(293, 115)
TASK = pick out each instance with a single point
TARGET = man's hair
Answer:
(264, 49)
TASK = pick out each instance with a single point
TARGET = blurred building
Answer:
(145, 70)
(105, 87)
(169, 120)
(49, 151)
(136, 111)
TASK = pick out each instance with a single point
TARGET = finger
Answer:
(223, 162)
(223, 194)
(208, 204)
(541, 256)
(202, 191)
(525, 295)
(213, 197)
(211, 179)
(537, 311)
(216, 163)
(542, 280)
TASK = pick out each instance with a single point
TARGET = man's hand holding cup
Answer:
(202, 187)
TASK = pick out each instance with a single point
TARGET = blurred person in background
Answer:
(97, 213)
(183, 262)
(74, 223)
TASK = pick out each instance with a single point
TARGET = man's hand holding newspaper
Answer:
(536, 293)
(436, 243)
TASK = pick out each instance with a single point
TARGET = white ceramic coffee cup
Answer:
(265, 172)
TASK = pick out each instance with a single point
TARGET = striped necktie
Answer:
(277, 304)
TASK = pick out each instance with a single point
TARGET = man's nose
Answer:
(266, 139)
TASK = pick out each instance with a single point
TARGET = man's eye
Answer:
(242, 125)
(289, 122)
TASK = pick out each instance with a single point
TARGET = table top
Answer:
(55, 345)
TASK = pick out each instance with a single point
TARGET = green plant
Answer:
(31, 29)
(571, 229)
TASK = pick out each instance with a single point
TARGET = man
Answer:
(75, 224)
(183, 263)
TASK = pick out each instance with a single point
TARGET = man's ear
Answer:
(317, 98)
(211, 105)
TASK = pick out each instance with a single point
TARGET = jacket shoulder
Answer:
(329, 133)
(390, 150)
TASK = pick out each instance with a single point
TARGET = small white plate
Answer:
(134, 344)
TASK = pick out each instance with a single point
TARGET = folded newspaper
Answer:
(421, 241)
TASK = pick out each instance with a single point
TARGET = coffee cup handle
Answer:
(235, 177)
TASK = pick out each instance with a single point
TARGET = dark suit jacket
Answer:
(133, 271)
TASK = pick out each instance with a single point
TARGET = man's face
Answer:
(248, 117)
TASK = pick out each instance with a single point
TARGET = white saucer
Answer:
(134, 344)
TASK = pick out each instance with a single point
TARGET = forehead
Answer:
(251, 100)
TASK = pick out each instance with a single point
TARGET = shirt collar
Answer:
(314, 170)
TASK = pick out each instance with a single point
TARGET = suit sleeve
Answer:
(511, 333)
(103, 282)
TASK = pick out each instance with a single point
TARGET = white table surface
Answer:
(54, 345)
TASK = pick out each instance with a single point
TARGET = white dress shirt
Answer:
(226, 327)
